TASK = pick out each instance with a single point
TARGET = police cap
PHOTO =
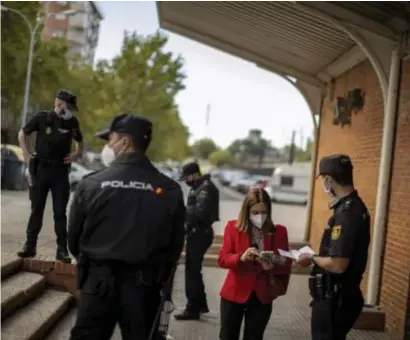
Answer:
(133, 125)
(189, 169)
(69, 98)
(338, 166)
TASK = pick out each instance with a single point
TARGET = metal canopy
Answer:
(289, 38)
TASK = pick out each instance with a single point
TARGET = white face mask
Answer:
(108, 154)
(68, 114)
(258, 220)
(328, 189)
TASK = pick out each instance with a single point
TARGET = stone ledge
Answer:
(372, 319)
(58, 274)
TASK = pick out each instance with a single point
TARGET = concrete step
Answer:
(10, 264)
(18, 290)
(63, 329)
(37, 319)
(210, 260)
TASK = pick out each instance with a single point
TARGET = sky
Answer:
(241, 96)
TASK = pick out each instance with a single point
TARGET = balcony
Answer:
(78, 20)
(77, 37)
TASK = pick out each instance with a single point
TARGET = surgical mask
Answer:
(108, 154)
(66, 114)
(258, 220)
(328, 189)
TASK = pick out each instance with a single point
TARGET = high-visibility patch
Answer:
(203, 193)
(336, 230)
(48, 130)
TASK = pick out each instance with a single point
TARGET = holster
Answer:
(33, 166)
(83, 270)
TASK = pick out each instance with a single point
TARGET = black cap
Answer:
(69, 98)
(189, 169)
(130, 124)
(338, 166)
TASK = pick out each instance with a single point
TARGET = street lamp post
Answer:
(33, 32)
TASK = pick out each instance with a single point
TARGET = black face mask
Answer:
(194, 183)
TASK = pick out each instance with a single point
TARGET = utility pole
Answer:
(207, 118)
(292, 149)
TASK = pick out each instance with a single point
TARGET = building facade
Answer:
(362, 140)
(81, 30)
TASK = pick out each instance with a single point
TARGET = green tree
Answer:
(15, 37)
(50, 66)
(203, 148)
(143, 79)
(255, 145)
(221, 157)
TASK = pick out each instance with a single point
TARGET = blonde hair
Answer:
(255, 196)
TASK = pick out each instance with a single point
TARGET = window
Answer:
(60, 16)
(58, 33)
(286, 181)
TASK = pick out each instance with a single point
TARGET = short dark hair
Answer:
(138, 143)
(344, 181)
(255, 196)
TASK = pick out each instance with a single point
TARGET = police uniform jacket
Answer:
(54, 135)
(128, 212)
(202, 205)
(347, 235)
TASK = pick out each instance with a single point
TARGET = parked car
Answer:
(228, 176)
(290, 183)
(76, 174)
(258, 181)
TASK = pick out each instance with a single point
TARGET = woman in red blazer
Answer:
(253, 281)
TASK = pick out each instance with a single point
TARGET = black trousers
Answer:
(333, 319)
(197, 243)
(55, 179)
(256, 314)
(107, 299)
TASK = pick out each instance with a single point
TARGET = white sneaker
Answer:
(169, 337)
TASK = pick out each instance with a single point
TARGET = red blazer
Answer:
(245, 277)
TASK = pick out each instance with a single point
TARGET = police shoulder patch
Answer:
(336, 230)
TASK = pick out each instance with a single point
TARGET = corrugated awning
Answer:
(290, 38)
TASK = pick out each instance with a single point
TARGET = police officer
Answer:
(49, 168)
(126, 229)
(339, 267)
(202, 211)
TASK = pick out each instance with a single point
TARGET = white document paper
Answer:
(294, 254)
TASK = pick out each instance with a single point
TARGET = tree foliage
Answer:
(143, 79)
(221, 157)
(253, 145)
(203, 148)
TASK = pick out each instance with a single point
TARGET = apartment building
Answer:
(80, 29)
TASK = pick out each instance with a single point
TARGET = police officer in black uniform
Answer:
(202, 211)
(338, 269)
(126, 229)
(49, 168)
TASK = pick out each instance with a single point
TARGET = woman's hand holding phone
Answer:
(249, 254)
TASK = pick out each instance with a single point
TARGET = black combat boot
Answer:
(187, 315)
(28, 250)
(62, 254)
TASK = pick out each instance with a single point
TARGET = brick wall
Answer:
(396, 266)
(362, 141)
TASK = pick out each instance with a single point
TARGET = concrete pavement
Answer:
(290, 319)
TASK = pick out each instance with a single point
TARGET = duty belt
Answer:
(321, 287)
